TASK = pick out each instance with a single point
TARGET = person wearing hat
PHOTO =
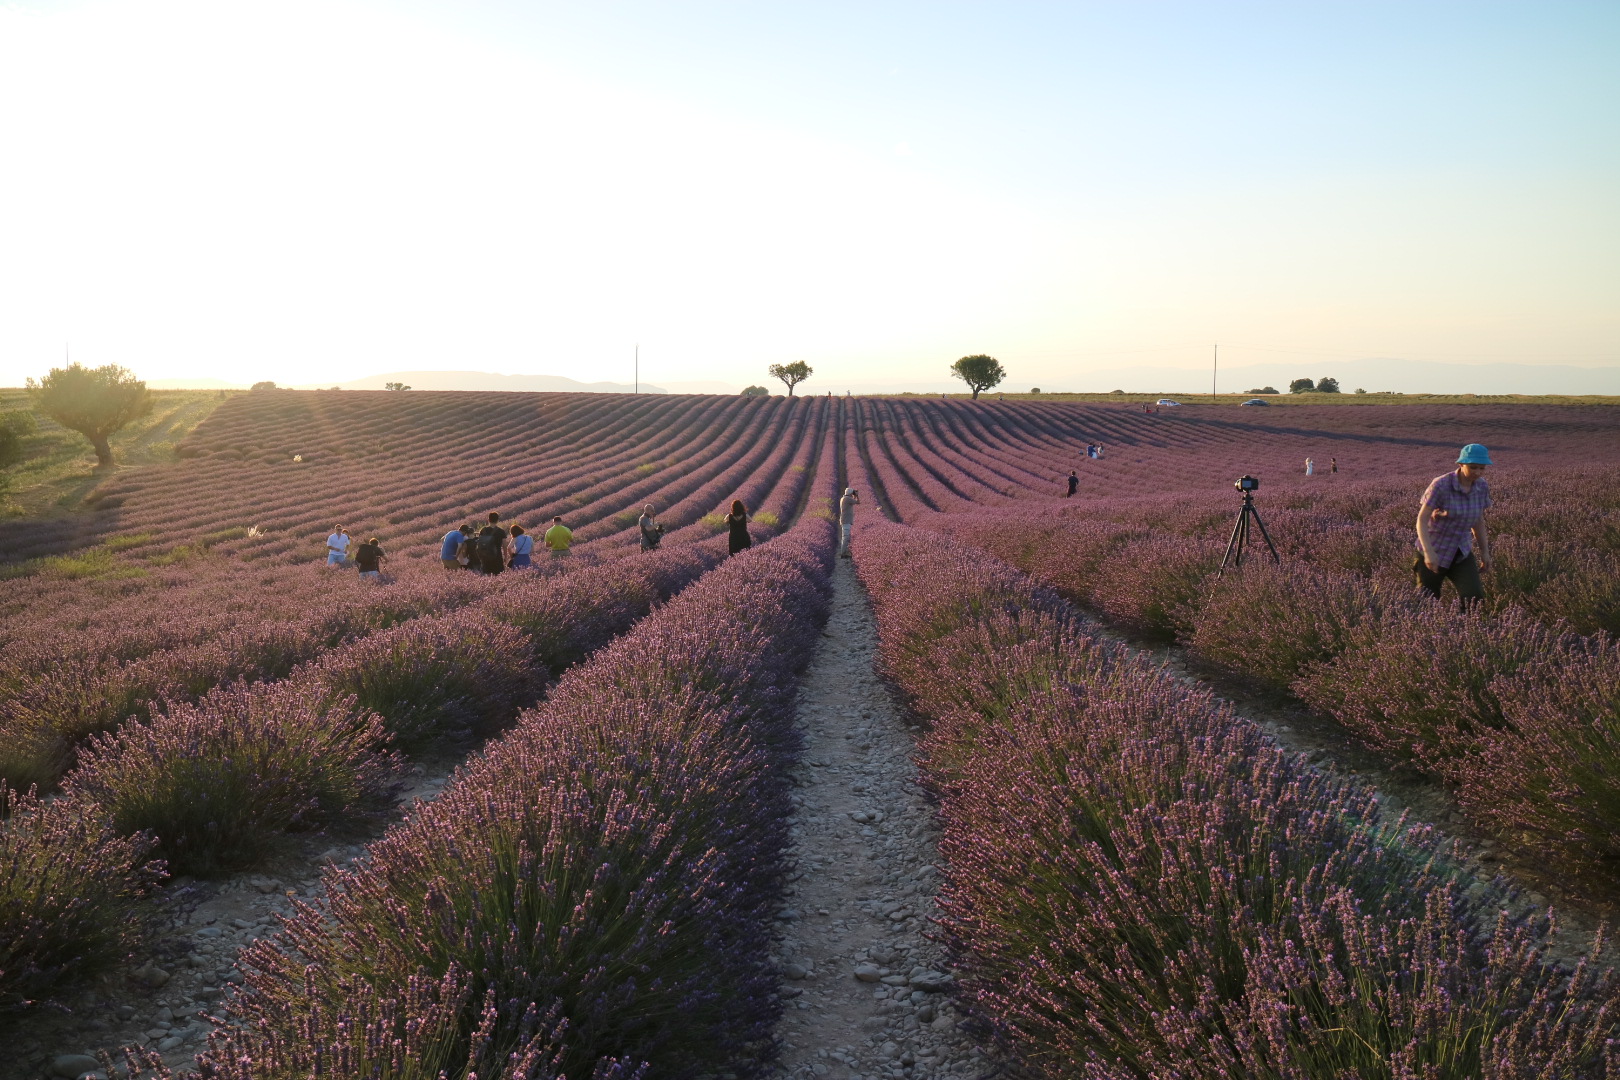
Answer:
(846, 520)
(1451, 537)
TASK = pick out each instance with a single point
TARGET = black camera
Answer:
(1247, 483)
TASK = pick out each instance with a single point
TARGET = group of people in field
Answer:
(496, 547)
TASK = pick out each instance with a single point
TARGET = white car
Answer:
(1167, 401)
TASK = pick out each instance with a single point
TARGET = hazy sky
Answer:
(307, 191)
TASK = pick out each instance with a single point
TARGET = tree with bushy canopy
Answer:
(979, 371)
(267, 385)
(1327, 386)
(395, 386)
(755, 391)
(95, 402)
(792, 374)
(1301, 386)
(1262, 390)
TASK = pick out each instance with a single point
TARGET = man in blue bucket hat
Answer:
(1451, 537)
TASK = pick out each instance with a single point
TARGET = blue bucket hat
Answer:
(1474, 454)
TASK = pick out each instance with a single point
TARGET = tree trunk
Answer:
(104, 458)
(976, 393)
(790, 389)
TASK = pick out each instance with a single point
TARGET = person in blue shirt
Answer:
(450, 547)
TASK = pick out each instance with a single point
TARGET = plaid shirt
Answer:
(1453, 535)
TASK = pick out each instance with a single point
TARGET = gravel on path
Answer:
(867, 994)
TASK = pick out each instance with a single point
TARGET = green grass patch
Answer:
(129, 540)
(96, 562)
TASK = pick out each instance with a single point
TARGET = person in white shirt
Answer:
(337, 546)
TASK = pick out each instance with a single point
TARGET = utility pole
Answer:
(638, 367)
(1213, 372)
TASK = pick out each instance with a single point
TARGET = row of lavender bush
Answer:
(1520, 716)
(595, 893)
(1139, 884)
(209, 785)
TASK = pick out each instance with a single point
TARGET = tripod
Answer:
(1240, 534)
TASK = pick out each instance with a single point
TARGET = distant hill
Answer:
(485, 380)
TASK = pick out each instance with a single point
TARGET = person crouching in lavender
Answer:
(1451, 536)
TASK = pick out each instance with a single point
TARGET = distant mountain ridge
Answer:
(485, 380)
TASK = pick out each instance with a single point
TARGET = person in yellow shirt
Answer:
(558, 537)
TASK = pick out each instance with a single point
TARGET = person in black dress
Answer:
(737, 524)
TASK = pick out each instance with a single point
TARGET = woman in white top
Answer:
(519, 548)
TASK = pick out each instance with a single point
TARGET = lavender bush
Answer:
(435, 679)
(615, 861)
(1270, 622)
(218, 781)
(1422, 683)
(1553, 768)
(70, 890)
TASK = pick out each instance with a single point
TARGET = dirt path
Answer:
(868, 994)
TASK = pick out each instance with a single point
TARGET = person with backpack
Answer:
(1074, 484)
(519, 549)
(450, 549)
(651, 531)
(491, 548)
(369, 557)
(558, 538)
(1451, 537)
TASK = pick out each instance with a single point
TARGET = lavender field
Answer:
(1136, 879)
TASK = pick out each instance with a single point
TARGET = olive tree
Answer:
(1301, 386)
(980, 372)
(95, 402)
(792, 374)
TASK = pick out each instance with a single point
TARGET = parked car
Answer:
(1166, 401)
(1257, 401)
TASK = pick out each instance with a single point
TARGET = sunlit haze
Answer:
(315, 192)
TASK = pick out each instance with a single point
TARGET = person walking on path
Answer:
(1310, 467)
(558, 537)
(846, 520)
(450, 549)
(1074, 484)
(1451, 537)
(519, 549)
(491, 548)
(737, 525)
(369, 557)
(337, 547)
(651, 531)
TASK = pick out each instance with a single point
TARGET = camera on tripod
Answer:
(1239, 543)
